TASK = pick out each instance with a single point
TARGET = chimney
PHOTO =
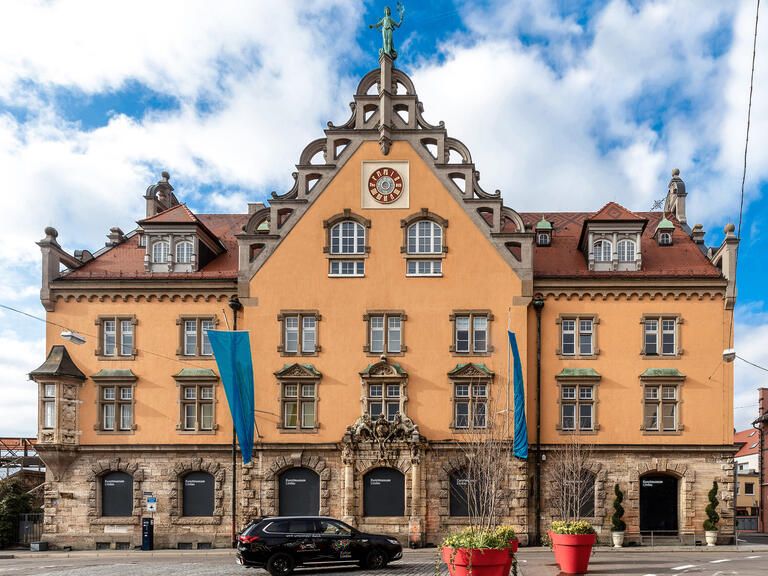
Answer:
(159, 196)
(115, 236)
(53, 259)
(697, 234)
(725, 259)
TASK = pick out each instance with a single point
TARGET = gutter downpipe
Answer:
(538, 305)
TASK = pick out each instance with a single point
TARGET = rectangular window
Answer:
(194, 336)
(299, 405)
(347, 268)
(385, 333)
(110, 338)
(660, 409)
(424, 268)
(126, 337)
(291, 334)
(308, 334)
(108, 421)
(577, 407)
(577, 336)
(299, 332)
(383, 399)
(660, 336)
(116, 336)
(49, 406)
(116, 407)
(197, 401)
(126, 416)
(749, 489)
(470, 403)
(471, 333)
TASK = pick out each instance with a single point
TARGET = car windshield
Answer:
(335, 528)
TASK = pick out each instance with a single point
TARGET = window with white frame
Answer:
(385, 333)
(160, 250)
(577, 407)
(471, 332)
(194, 336)
(299, 405)
(626, 250)
(347, 238)
(49, 406)
(577, 336)
(184, 252)
(602, 250)
(116, 408)
(543, 239)
(660, 336)
(424, 238)
(197, 406)
(299, 333)
(470, 403)
(116, 337)
(660, 413)
(665, 239)
(383, 398)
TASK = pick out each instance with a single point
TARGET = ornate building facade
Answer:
(378, 292)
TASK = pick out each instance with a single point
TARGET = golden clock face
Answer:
(385, 185)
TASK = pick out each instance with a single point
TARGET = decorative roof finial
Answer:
(388, 25)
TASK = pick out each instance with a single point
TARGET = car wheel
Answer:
(375, 560)
(280, 564)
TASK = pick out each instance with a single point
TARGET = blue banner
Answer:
(232, 351)
(521, 427)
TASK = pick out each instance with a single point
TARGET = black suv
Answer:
(283, 543)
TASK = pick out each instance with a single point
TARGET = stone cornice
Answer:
(641, 287)
(148, 290)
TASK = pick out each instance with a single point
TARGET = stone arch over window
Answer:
(596, 476)
(176, 498)
(412, 220)
(384, 492)
(686, 478)
(602, 250)
(197, 494)
(95, 476)
(362, 467)
(271, 483)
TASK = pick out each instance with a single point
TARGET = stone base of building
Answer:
(73, 497)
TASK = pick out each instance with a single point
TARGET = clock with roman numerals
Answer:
(385, 185)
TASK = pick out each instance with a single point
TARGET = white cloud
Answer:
(751, 332)
(18, 414)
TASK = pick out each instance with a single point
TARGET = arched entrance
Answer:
(659, 497)
(299, 493)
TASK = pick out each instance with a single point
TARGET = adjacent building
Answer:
(378, 292)
(747, 462)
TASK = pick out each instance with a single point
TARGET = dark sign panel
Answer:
(198, 494)
(658, 503)
(117, 494)
(384, 492)
(299, 492)
(458, 502)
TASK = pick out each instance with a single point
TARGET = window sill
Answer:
(185, 357)
(455, 430)
(379, 354)
(471, 354)
(119, 520)
(578, 432)
(678, 432)
(346, 275)
(315, 430)
(661, 356)
(196, 520)
(578, 356)
(115, 432)
(299, 354)
(104, 358)
(198, 432)
(423, 275)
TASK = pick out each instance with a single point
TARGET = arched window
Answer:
(299, 492)
(348, 237)
(626, 251)
(542, 239)
(160, 252)
(384, 492)
(665, 239)
(197, 494)
(578, 494)
(602, 251)
(117, 494)
(464, 495)
(184, 252)
(425, 237)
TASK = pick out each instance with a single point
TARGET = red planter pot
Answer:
(572, 551)
(483, 562)
(511, 551)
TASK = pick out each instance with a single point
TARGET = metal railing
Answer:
(30, 527)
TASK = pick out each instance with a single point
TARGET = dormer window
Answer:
(626, 251)
(665, 239)
(184, 252)
(602, 250)
(160, 252)
(543, 239)
(543, 232)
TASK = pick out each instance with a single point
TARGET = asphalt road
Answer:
(532, 562)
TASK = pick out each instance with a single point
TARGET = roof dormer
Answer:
(175, 240)
(543, 232)
(663, 232)
(611, 239)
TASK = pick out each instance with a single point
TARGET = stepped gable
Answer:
(385, 109)
(126, 260)
(564, 259)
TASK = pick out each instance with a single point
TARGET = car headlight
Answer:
(393, 541)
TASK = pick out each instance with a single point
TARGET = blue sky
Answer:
(565, 106)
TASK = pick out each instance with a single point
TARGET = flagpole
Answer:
(235, 305)
(509, 313)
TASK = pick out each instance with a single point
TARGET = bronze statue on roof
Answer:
(388, 25)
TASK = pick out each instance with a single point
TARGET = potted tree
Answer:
(617, 524)
(507, 534)
(476, 552)
(710, 524)
(572, 488)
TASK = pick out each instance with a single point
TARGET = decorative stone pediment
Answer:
(298, 371)
(381, 440)
(383, 369)
(470, 370)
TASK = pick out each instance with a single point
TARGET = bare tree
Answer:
(571, 482)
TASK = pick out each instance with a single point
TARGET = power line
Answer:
(752, 363)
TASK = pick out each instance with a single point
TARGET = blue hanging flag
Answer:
(521, 427)
(232, 351)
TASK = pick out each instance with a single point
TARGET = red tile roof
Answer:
(614, 211)
(750, 440)
(179, 214)
(683, 259)
(126, 261)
